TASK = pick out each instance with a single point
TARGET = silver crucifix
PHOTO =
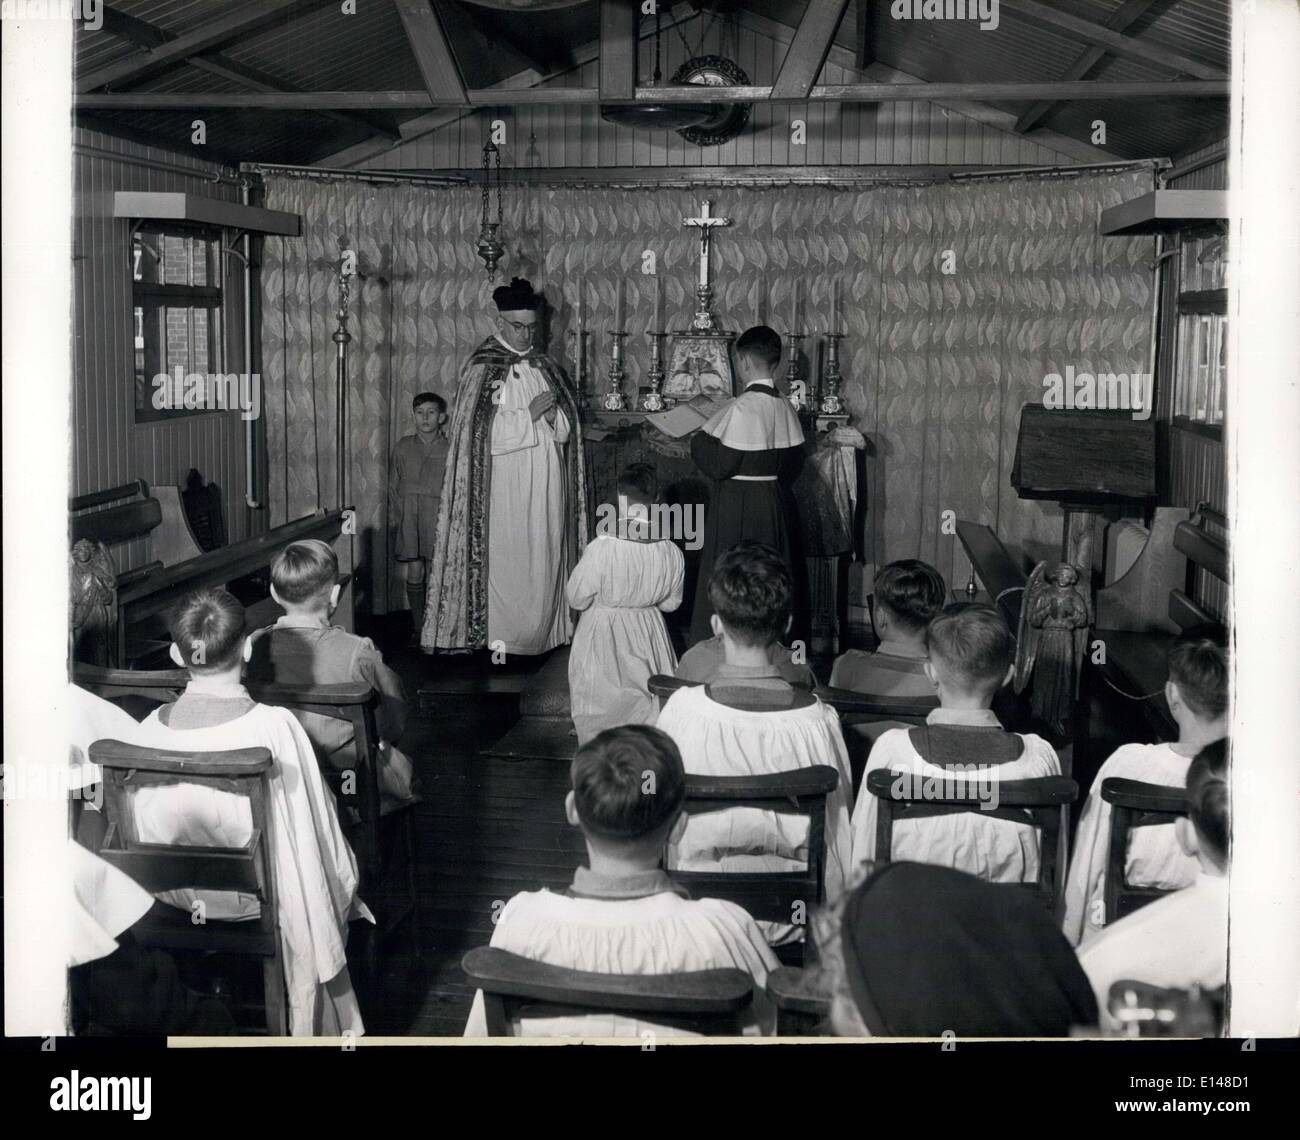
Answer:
(705, 223)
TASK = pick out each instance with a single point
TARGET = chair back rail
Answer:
(707, 1000)
(1134, 804)
(158, 867)
(1042, 803)
(767, 895)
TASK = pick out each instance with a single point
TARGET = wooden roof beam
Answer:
(247, 17)
(1131, 12)
(807, 52)
(438, 67)
(691, 93)
(1116, 42)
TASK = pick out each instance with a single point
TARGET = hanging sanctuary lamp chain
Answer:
(490, 247)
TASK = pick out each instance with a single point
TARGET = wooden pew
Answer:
(143, 596)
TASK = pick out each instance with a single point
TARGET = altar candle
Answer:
(796, 306)
(659, 304)
(835, 305)
(582, 306)
(618, 306)
(761, 307)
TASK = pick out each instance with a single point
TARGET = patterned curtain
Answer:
(937, 364)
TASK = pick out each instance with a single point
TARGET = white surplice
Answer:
(718, 740)
(660, 933)
(315, 870)
(105, 902)
(1154, 858)
(1178, 941)
(622, 587)
(527, 519)
(997, 850)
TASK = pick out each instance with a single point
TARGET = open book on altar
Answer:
(685, 418)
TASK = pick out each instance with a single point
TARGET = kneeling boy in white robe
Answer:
(750, 721)
(1197, 695)
(1180, 940)
(962, 747)
(623, 915)
(315, 870)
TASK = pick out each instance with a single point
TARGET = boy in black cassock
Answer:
(752, 449)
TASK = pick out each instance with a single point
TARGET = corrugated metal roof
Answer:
(326, 50)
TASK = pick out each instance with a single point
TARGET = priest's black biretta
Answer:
(516, 296)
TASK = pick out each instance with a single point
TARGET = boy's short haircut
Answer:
(1198, 665)
(208, 628)
(305, 570)
(638, 483)
(750, 590)
(762, 343)
(974, 643)
(1207, 800)
(628, 783)
(430, 398)
(912, 590)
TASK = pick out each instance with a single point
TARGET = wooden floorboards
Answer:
(487, 829)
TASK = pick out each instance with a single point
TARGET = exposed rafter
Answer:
(807, 52)
(1128, 14)
(577, 96)
(149, 36)
(438, 67)
(1116, 42)
(995, 118)
(246, 18)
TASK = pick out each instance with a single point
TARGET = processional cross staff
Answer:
(706, 224)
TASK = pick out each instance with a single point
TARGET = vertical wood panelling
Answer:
(109, 448)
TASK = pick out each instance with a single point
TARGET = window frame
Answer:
(153, 300)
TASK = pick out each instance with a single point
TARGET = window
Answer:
(1200, 370)
(177, 325)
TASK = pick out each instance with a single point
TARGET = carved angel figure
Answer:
(92, 582)
(1051, 640)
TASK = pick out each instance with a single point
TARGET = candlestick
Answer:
(831, 404)
(793, 383)
(653, 400)
(614, 401)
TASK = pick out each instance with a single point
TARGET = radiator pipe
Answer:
(250, 486)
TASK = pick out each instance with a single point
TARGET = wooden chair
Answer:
(351, 702)
(710, 1002)
(165, 867)
(803, 1008)
(769, 896)
(1134, 804)
(1041, 803)
(355, 703)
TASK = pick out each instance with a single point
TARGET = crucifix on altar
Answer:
(701, 356)
(706, 224)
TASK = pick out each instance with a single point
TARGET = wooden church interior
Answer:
(934, 217)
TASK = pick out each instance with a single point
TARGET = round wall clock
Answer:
(727, 119)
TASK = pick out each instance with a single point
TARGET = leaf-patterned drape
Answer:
(936, 364)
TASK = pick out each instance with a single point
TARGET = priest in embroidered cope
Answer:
(512, 520)
(752, 449)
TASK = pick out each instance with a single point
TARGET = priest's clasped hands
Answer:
(543, 405)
